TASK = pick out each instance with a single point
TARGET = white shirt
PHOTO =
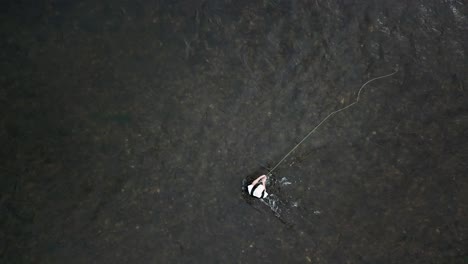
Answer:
(258, 191)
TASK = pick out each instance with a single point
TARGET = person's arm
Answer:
(255, 181)
(264, 177)
(261, 178)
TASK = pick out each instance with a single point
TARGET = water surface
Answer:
(129, 126)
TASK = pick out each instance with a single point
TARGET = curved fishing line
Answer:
(326, 118)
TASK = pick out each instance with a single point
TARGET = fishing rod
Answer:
(326, 118)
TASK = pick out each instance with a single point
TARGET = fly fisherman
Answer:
(258, 187)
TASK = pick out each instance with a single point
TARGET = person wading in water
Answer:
(258, 187)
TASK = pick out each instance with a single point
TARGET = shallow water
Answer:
(129, 127)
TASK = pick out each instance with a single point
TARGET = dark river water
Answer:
(129, 127)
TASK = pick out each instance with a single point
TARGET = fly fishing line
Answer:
(326, 118)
